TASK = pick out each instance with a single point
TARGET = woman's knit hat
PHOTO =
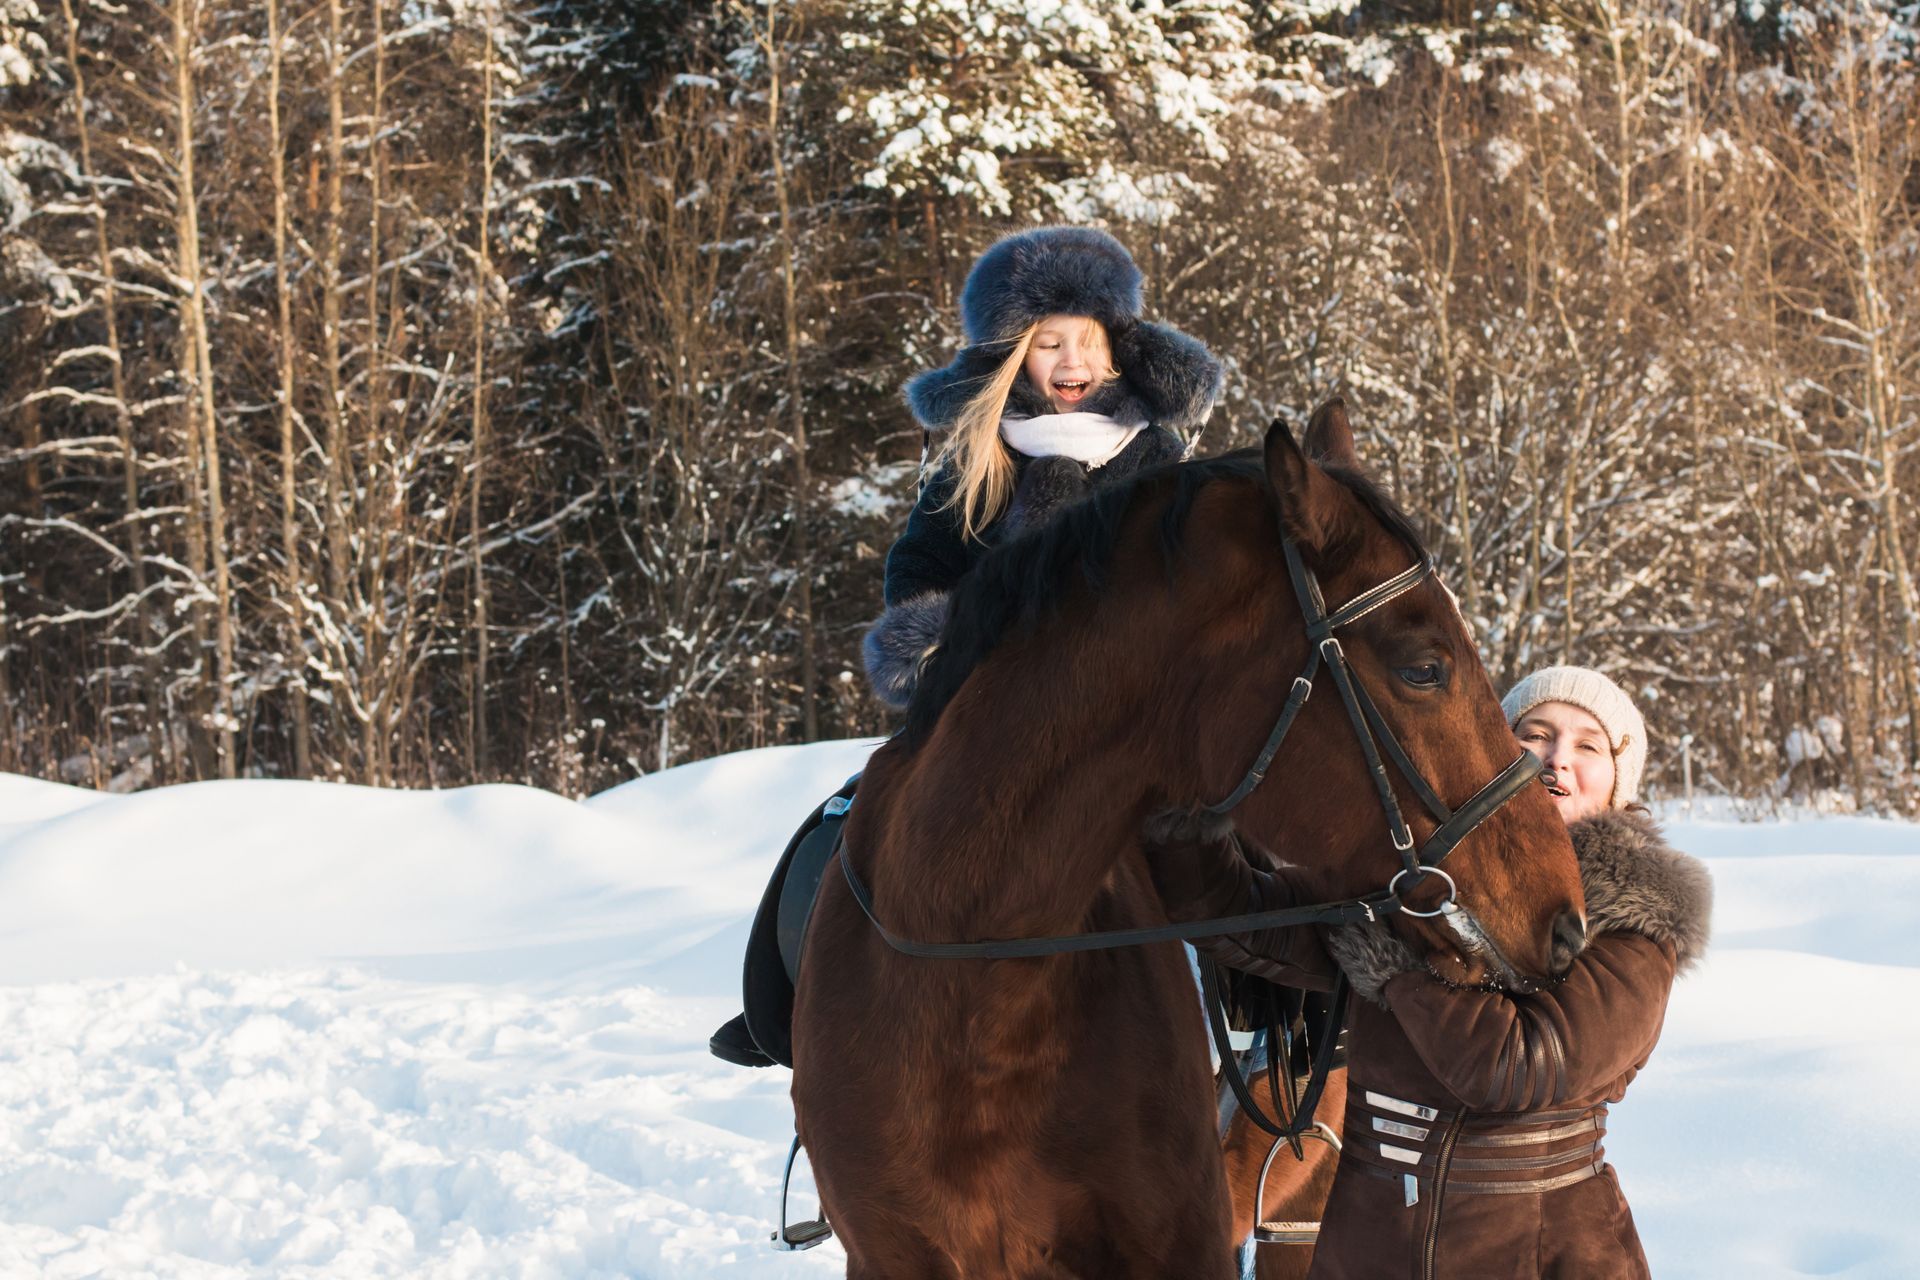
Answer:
(1165, 378)
(1606, 701)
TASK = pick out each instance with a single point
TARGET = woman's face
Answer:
(1573, 744)
(1067, 359)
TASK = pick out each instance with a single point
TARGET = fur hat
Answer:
(1050, 271)
(1166, 377)
(1606, 701)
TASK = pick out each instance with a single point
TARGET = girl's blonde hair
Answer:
(982, 466)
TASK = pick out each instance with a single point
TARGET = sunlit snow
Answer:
(291, 1029)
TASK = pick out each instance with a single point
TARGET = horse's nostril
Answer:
(1569, 937)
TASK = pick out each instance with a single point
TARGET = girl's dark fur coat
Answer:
(1167, 379)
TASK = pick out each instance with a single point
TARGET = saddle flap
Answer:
(779, 927)
(803, 884)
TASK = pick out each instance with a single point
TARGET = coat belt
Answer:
(1390, 1138)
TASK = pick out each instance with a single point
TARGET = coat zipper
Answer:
(1440, 1166)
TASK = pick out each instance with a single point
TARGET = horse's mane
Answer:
(1020, 581)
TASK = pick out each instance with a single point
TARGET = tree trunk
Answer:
(1440, 289)
(382, 510)
(337, 492)
(796, 404)
(483, 282)
(158, 731)
(292, 581)
(205, 430)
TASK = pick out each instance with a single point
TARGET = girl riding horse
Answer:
(1061, 388)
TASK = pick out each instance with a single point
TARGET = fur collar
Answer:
(1166, 378)
(1636, 881)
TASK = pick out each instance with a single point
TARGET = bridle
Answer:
(1372, 731)
(1371, 728)
(1416, 864)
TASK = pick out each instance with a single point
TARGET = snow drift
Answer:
(294, 1029)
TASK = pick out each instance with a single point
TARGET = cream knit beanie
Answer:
(1606, 701)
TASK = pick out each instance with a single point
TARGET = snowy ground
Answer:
(286, 1029)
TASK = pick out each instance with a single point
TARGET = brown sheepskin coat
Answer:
(1474, 1121)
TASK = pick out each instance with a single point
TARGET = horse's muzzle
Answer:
(1569, 939)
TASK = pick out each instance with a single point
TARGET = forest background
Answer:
(419, 392)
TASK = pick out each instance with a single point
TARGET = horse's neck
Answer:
(1007, 829)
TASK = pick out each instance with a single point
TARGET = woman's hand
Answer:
(1197, 865)
(1202, 873)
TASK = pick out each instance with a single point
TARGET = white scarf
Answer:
(1090, 438)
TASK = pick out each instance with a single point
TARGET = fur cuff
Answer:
(1635, 881)
(899, 643)
(1371, 955)
(1045, 486)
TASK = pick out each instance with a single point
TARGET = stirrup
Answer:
(1269, 1232)
(792, 1237)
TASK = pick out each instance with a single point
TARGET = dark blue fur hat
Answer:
(1166, 377)
(1050, 271)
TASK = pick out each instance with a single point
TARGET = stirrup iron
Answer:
(792, 1237)
(1268, 1232)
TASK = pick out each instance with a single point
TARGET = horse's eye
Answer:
(1424, 676)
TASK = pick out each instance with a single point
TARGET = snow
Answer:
(876, 494)
(269, 1028)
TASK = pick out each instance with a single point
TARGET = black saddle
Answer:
(780, 925)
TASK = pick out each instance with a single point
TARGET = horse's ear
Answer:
(1330, 435)
(1314, 508)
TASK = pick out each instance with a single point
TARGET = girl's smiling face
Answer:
(1067, 359)
(1572, 743)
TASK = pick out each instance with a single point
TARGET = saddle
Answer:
(780, 925)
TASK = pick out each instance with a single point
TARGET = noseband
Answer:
(1372, 731)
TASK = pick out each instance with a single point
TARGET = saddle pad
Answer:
(780, 923)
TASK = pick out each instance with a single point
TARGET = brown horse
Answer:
(1128, 658)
